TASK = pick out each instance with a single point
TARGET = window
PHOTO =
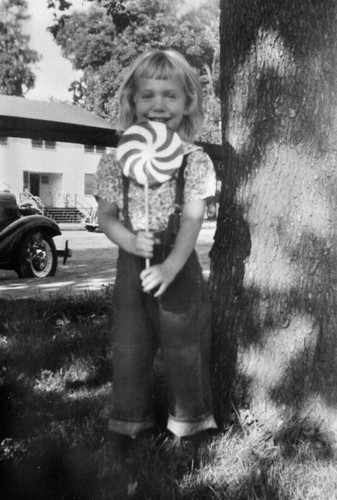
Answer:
(88, 148)
(37, 143)
(3, 141)
(40, 143)
(88, 184)
(44, 179)
(50, 144)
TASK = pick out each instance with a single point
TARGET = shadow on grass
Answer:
(54, 394)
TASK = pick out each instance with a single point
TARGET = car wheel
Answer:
(91, 229)
(37, 256)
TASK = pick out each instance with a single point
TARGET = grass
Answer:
(55, 384)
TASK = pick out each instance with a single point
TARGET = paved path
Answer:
(92, 266)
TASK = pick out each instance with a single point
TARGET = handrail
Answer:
(75, 200)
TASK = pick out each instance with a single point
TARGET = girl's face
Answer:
(161, 100)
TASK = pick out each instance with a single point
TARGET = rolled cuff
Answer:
(130, 428)
(188, 428)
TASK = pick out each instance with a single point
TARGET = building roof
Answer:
(54, 121)
(21, 117)
(49, 111)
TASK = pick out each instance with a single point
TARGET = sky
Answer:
(53, 73)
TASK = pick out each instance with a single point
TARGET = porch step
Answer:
(64, 215)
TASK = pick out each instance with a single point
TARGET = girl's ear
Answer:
(187, 110)
(188, 106)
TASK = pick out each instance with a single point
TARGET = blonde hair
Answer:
(163, 65)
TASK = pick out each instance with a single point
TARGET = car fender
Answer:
(15, 231)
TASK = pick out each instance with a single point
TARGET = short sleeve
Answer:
(200, 178)
(108, 183)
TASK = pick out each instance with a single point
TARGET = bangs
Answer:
(157, 67)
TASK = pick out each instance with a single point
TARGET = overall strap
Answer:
(126, 183)
(179, 199)
(174, 219)
(125, 211)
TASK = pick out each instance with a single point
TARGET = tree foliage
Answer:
(16, 58)
(103, 41)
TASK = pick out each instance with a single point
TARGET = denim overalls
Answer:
(179, 323)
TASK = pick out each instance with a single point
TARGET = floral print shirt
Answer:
(200, 183)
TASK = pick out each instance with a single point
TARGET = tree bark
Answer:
(273, 262)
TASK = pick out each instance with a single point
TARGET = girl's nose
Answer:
(159, 103)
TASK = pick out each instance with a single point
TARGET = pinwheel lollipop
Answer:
(149, 153)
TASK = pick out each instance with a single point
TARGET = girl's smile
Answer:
(161, 100)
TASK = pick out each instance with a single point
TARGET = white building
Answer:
(51, 150)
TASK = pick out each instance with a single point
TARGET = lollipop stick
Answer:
(146, 186)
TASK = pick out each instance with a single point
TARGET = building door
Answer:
(46, 194)
(34, 184)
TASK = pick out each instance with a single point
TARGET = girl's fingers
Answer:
(150, 283)
(147, 254)
(150, 279)
(144, 273)
(145, 241)
(150, 271)
(161, 290)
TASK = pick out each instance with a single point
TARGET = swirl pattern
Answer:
(149, 151)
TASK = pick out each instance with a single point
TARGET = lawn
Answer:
(55, 387)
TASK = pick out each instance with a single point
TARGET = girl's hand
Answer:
(160, 276)
(142, 244)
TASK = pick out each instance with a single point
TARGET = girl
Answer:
(167, 304)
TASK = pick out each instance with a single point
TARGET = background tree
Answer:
(105, 39)
(274, 262)
(16, 58)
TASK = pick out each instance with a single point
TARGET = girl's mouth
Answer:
(161, 120)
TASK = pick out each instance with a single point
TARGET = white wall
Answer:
(68, 161)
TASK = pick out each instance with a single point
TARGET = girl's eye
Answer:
(172, 96)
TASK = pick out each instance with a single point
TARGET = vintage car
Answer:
(26, 239)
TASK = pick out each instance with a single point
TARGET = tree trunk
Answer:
(273, 262)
